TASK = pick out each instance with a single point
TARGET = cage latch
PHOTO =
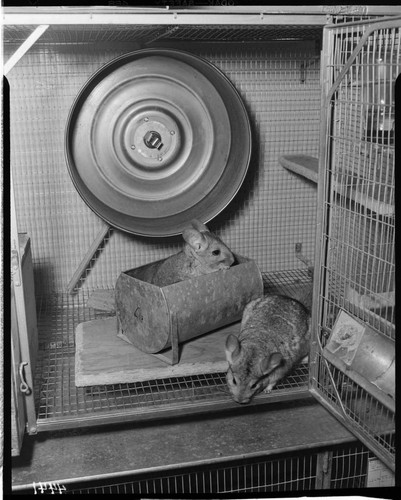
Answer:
(24, 387)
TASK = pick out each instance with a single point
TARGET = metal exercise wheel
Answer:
(156, 138)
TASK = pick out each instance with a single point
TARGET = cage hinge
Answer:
(15, 268)
(325, 468)
(302, 258)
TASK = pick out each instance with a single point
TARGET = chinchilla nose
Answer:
(241, 400)
(227, 260)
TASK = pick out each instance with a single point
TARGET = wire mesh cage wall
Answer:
(44, 85)
(356, 271)
(279, 84)
(346, 466)
(343, 467)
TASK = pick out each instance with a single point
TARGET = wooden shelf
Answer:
(304, 165)
(372, 194)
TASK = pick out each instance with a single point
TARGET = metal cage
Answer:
(355, 270)
(275, 68)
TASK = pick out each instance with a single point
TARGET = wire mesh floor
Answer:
(60, 404)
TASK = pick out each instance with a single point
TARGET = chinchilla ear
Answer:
(199, 226)
(233, 348)
(267, 365)
(195, 239)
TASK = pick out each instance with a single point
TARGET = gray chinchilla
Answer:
(274, 336)
(203, 253)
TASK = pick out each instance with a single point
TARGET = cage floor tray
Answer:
(103, 358)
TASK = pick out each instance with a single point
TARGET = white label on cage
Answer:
(345, 338)
(379, 474)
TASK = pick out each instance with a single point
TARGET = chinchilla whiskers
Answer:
(223, 388)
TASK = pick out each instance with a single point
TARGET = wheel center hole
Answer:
(153, 140)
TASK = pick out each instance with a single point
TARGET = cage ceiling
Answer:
(73, 34)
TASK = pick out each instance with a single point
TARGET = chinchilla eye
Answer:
(254, 385)
(216, 252)
(234, 381)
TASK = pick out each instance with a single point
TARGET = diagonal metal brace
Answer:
(21, 51)
(83, 266)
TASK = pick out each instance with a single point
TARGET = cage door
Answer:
(352, 353)
(23, 330)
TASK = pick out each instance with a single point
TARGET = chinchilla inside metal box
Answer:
(153, 318)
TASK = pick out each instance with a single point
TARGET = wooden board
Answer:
(102, 300)
(102, 357)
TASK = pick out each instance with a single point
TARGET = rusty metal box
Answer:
(153, 318)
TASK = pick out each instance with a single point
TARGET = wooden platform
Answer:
(102, 357)
(102, 300)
